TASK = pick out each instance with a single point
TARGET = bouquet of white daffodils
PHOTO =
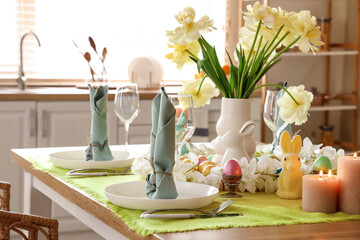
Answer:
(258, 174)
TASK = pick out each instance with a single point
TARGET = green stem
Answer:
(190, 169)
(202, 81)
(271, 60)
(286, 48)
(274, 38)
(246, 68)
(191, 54)
(279, 86)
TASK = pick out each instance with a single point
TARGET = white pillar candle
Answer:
(320, 193)
(349, 180)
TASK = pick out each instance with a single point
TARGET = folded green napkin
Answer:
(280, 124)
(160, 184)
(98, 149)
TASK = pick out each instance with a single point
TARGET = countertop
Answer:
(71, 94)
(64, 94)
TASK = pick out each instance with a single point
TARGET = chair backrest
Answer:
(31, 223)
(20, 221)
(5, 196)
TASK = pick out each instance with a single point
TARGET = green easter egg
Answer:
(322, 163)
(184, 149)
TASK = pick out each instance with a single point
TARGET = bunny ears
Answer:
(290, 146)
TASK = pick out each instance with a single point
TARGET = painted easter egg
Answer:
(201, 159)
(322, 163)
(232, 167)
(205, 167)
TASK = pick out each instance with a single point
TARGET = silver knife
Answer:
(97, 172)
(188, 215)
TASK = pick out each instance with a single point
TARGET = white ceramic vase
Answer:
(235, 113)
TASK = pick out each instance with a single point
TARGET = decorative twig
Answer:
(102, 57)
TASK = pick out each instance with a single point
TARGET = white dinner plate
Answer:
(76, 159)
(133, 195)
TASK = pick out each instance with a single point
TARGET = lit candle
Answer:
(320, 193)
(349, 180)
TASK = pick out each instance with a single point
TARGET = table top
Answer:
(336, 230)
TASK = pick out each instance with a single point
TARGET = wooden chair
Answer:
(5, 196)
(20, 221)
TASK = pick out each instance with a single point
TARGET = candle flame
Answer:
(321, 174)
(355, 156)
(329, 174)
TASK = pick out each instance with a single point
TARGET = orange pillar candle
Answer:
(349, 179)
(320, 193)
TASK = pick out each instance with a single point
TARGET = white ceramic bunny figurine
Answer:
(234, 142)
(290, 179)
(219, 148)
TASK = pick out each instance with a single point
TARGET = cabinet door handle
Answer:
(43, 121)
(32, 122)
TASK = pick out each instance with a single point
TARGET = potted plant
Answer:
(266, 31)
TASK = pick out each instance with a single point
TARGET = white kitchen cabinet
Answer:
(17, 130)
(30, 124)
(68, 124)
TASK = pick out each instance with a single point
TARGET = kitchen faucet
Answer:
(22, 79)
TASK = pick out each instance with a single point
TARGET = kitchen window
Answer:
(129, 29)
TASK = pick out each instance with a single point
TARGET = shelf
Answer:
(328, 53)
(332, 108)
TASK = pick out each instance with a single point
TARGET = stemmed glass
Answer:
(126, 106)
(269, 112)
(184, 120)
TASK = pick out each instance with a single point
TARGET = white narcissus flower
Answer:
(291, 112)
(190, 29)
(215, 176)
(141, 166)
(269, 165)
(308, 150)
(181, 170)
(296, 24)
(180, 56)
(260, 12)
(208, 91)
(249, 175)
(213, 180)
(196, 176)
(304, 25)
(270, 184)
(264, 148)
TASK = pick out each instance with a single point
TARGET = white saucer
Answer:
(76, 159)
(133, 195)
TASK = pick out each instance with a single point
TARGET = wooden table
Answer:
(102, 220)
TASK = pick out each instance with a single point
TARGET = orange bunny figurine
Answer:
(290, 179)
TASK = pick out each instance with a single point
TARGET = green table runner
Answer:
(259, 209)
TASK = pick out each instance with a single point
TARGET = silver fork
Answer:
(214, 211)
(89, 172)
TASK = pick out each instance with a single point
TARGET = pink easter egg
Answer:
(232, 167)
(201, 159)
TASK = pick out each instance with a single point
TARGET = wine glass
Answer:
(126, 106)
(184, 120)
(269, 112)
